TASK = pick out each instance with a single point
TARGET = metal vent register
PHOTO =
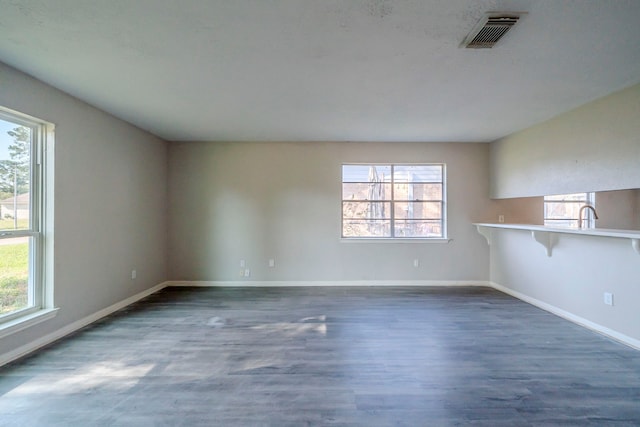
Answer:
(490, 30)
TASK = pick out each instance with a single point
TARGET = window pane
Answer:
(417, 173)
(21, 293)
(366, 210)
(15, 173)
(366, 191)
(562, 210)
(366, 228)
(417, 210)
(417, 191)
(366, 173)
(14, 274)
(417, 228)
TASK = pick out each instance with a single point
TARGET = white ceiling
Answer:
(366, 70)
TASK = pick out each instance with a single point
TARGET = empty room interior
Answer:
(301, 212)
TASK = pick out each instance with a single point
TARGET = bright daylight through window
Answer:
(393, 201)
(563, 210)
(22, 290)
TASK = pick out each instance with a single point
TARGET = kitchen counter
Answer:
(547, 236)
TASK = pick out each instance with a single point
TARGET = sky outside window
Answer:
(5, 139)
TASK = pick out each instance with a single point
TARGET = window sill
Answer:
(391, 240)
(27, 321)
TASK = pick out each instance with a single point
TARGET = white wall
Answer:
(593, 148)
(281, 200)
(575, 277)
(110, 204)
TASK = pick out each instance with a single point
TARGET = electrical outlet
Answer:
(272, 263)
(134, 274)
(242, 272)
(608, 298)
(247, 272)
(500, 219)
(416, 262)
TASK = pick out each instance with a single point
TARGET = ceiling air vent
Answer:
(491, 28)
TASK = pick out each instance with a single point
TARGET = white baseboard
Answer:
(298, 283)
(72, 327)
(624, 339)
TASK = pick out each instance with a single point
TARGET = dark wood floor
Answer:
(326, 356)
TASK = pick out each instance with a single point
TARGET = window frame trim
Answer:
(40, 230)
(394, 239)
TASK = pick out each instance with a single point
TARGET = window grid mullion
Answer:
(393, 201)
(392, 214)
(587, 199)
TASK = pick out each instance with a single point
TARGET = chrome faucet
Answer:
(595, 215)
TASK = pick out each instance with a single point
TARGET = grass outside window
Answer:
(14, 274)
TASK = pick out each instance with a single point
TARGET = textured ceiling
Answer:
(367, 70)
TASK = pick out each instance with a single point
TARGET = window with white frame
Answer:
(23, 291)
(563, 210)
(394, 201)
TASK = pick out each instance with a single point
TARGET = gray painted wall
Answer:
(593, 148)
(575, 277)
(110, 203)
(280, 200)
